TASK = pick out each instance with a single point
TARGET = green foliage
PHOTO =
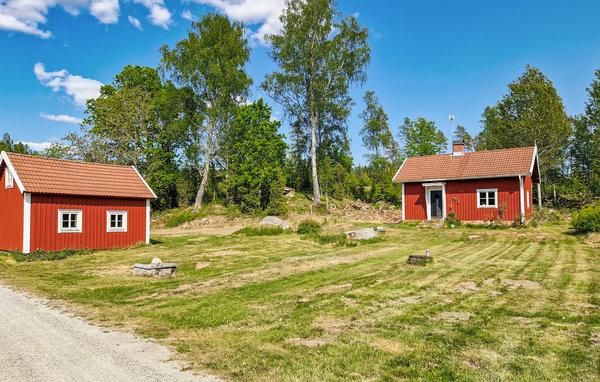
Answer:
(181, 217)
(422, 137)
(338, 240)
(316, 69)
(309, 226)
(210, 63)
(531, 114)
(256, 179)
(8, 145)
(452, 221)
(587, 219)
(376, 133)
(262, 230)
(461, 133)
(40, 255)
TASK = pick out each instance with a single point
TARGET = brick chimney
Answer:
(458, 147)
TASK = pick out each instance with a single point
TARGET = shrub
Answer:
(339, 240)
(180, 218)
(265, 230)
(587, 219)
(452, 221)
(309, 226)
(40, 255)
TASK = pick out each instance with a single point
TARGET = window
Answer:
(527, 198)
(487, 198)
(8, 179)
(69, 221)
(116, 221)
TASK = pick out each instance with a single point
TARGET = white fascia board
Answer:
(535, 160)
(463, 178)
(138, 173)
(26, 222)
(4, 158)
(398, 172)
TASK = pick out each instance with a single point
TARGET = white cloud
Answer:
(252, 12)
(62, 118)
(106, 11)
(26, 15)
(35, 146)
(159, 14)
(135, 22)
(188, 15)
(81, 89)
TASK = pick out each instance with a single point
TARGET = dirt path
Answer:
(39, 343)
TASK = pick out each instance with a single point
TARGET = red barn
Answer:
(53, 204)
(476, 186)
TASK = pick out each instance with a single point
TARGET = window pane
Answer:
(120, 221)
(65, 220)
(482, 199)
(492, 198)
(73, 220)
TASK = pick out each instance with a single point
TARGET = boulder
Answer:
(362, 234)
(272, 220)
(155, 268)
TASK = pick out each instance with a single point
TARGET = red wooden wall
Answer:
(44, 223)
(461, 198)
(11, 216)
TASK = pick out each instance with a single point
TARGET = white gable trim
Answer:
(5, 159)
(535, 160)
(398, 172)
(137, 172)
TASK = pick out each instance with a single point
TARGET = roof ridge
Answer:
(37, 157)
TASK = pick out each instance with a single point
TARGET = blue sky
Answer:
(429, 58)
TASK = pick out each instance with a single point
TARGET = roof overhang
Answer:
(5, 159)
(463, 178)
(143, 180)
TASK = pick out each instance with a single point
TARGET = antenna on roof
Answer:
(451, 118)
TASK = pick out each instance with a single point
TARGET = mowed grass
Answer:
(493, 305)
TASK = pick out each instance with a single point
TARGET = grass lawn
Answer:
(494, 305)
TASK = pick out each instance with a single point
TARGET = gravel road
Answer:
(40, 343)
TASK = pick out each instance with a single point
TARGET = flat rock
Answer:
(272, 220)
(362, 234)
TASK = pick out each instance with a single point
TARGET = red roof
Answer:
(39, 175)
(479, 164)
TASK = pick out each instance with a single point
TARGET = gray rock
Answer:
(272, 220)
(156, 268)
(362, 234)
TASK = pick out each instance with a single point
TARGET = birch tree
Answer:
(320, 55)
(211, 62)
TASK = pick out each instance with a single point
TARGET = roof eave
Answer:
(6, 159)
(461, 178)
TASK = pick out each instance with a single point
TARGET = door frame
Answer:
(435, 187)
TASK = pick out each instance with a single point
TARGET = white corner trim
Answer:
(398, 172)
(521, 198)
(403, 211)
(147, 221)
(4, 158)
(26, 222)
(138, 173)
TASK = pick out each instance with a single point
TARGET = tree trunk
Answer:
(313, 152)
(202, 188)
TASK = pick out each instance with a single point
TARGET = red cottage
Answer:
(53, 204)
(483, 185)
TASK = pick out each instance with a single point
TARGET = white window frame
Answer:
(116, 229)
(528, 199)
(77, 229)
(487, 190)
(8, 179)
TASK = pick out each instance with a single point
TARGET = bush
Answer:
(587, 219)
(260, 231)
(452, 221)
(309, 226)
(180, 218)
(338, 240)
(40, 255)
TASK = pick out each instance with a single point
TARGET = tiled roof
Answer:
(40, 175)
(479, 164)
